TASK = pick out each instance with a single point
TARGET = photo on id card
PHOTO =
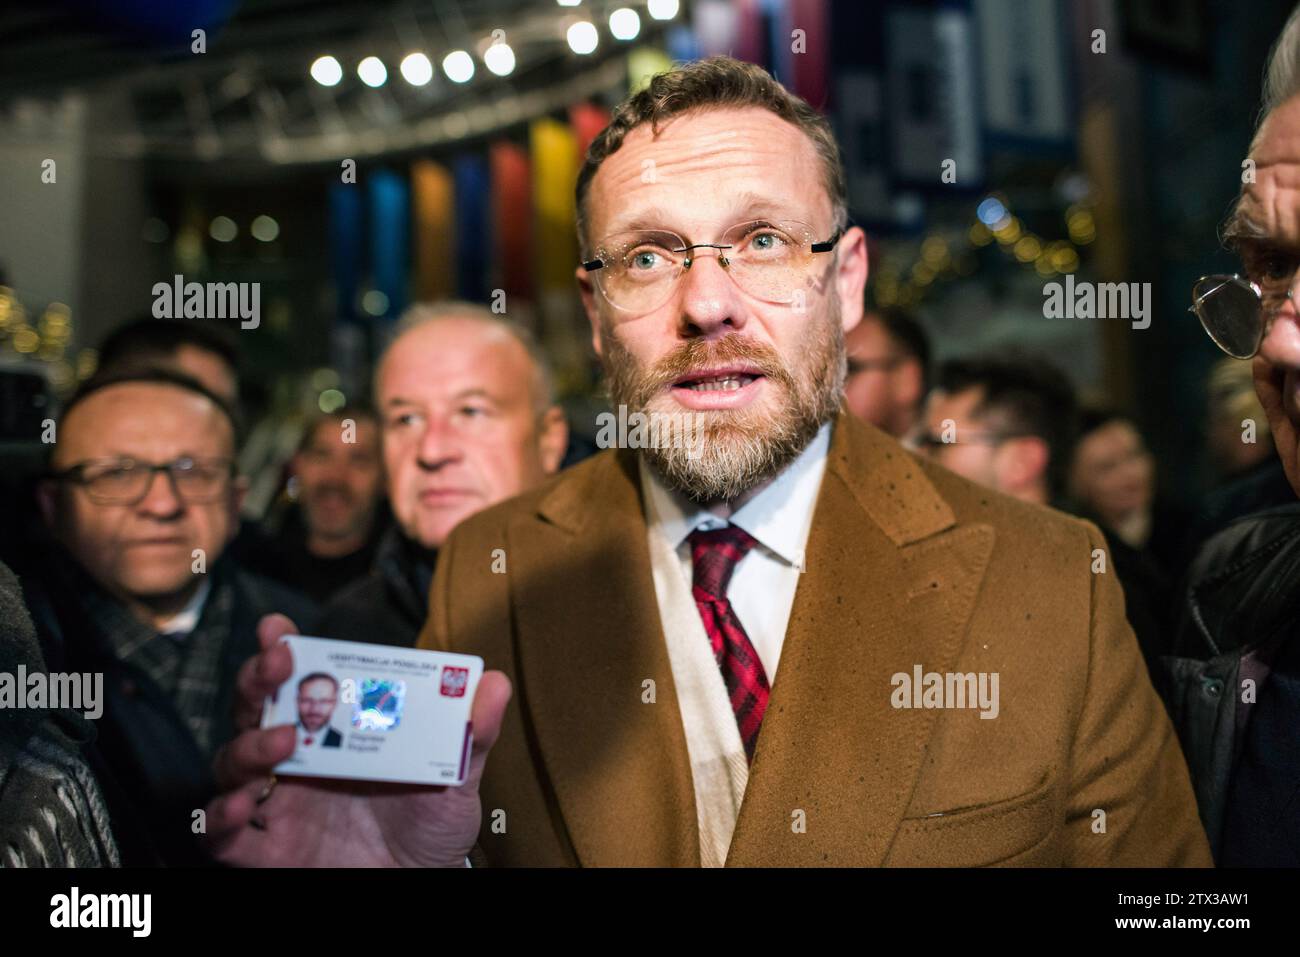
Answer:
(376, 713)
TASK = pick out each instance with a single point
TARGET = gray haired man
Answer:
(468, 419)
(1234, 688)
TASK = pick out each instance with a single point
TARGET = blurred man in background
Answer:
(889, 371)
(329, 538)
(468, 419)
(141, 501)
(1005, 423)
(205, 351)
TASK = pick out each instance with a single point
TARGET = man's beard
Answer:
(741, 448)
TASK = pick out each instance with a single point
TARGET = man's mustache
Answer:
(697, 354)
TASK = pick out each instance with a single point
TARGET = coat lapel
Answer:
(591, 640)
(890, 583)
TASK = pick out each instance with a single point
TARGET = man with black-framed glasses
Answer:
(1007, 422)
(889, 371)
(141, 499)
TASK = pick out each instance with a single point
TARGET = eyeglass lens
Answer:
(1232, 314)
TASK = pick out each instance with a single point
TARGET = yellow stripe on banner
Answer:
(555, 171)
(433, 226)
(642, 64)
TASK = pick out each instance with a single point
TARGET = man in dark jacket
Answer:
(1234, 676)
(132, 584)
(1233, 686)
(328, 538)
(468, 419)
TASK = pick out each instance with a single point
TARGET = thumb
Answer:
(486, 716)
(271, 628)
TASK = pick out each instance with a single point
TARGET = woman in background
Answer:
(1113, 482)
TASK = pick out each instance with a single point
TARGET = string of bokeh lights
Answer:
(459, 66)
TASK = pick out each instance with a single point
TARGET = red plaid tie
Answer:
(714, 556)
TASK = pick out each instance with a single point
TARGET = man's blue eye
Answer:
(767, 241)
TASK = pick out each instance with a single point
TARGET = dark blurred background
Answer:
(1097, 137)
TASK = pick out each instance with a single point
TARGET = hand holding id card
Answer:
(375, 713)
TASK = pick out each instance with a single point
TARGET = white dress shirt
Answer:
(186, 620)
(761, 593)
(313, 739)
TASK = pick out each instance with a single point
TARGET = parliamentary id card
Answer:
(376, 713)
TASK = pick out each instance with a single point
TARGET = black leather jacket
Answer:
(388, 606)
(1240, 601)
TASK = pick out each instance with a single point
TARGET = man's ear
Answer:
(587, 290)
(851, 276)
(553, 439)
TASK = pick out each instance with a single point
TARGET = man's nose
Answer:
(1281, 345)
(161, 498)
(336, 472)
(710, 302)
(439, 445)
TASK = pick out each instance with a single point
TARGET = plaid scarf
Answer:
(188, 669)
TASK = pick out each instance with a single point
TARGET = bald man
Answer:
(468, 420)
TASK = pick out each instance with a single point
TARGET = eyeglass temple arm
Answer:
(1207, 294)
(829, 244)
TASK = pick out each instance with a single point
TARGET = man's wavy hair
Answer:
(1282, 72)
(719, 82)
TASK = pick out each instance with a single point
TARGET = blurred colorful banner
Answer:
(555, 169)
(347, 251)
(389, 237)
(512, 218)
(643, 63)
(472, 241)
(809, 50)
(433, 230)
(587, 120)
